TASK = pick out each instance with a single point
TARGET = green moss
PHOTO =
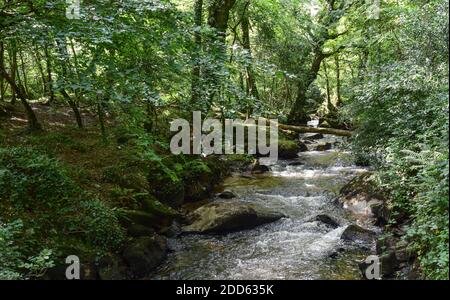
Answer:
(287, 145)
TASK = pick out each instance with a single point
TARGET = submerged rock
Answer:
(224, 217)
(144, 254)
(322, 147)
(327, 220)
(355, 233)
(260, 169)
(302, 146)
(227, 195)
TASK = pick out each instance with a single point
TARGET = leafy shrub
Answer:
(101, 225)
(56, 213)
(14, 264)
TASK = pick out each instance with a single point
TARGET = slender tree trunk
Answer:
(338, 81)
(2, 65)
(38, 60)
(51, 93)
(62, 47)
(245, 27)
(13, 70)
(329, 104)
(73, 105)
(24, 73)
(75, 67)
(33, 123)
(101, 119)
(196, 68)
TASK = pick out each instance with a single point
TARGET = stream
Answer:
(290, 248)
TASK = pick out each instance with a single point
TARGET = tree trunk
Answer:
(327, 80)
(101, 119)
(62, 47)
(196, 69)
(33, 123)
(298, 112)
(245, 27)
(219, 13)
(24, 73)
(13, 70)
(38, 60)
(73, 105)
(307, 129)
(338, 81)
(2, 65)
(51, 93)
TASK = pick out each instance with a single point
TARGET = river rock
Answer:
(144, 254)
(288, 149)
(260, 169)
(327, 220)
(312, 136)
(227, 195)
(389, 263)
(228, 216)
(355, 233)
(380, 212)
(302, 146)
(322, 146)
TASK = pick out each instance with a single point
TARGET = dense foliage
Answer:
(401, 109)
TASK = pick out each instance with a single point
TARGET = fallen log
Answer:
(307, 129)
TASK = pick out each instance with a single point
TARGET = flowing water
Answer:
(291, 248)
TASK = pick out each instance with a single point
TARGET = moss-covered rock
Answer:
(228, 216)
(144, 254)
(288, 149)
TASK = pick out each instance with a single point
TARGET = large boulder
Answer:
(228, 216)
(144, 254)
(364, 199)
(355, 233)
